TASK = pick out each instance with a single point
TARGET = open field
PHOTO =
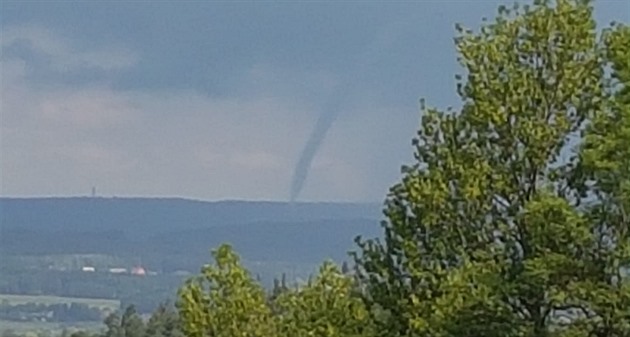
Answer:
(54, 329)
(103, 304)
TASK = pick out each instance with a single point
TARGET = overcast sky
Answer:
(216, 100)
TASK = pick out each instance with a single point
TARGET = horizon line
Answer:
(187, 198)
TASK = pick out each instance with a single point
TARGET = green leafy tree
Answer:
(9, 333)
(225, 301)
(131, 323)
(509, 223)
(325, 307)
(605, 152)
(605, 169)
(113, 326)
(279, 287)
(164, 322)
(81, 334)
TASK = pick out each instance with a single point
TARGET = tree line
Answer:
(512, 220)
(58, 312)
(145, 293)
(163, 322)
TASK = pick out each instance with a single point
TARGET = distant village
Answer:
(93, 263)
(137, 271)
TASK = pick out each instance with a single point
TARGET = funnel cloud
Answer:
(367, 59)
(324, 122)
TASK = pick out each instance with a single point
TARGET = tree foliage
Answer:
(164, 322)
(512, 220)
(225, 301)
(327, 307)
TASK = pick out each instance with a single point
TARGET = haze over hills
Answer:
(145, 215)
(46, 243)
(162, 229)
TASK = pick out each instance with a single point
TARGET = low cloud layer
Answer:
(216, 100)
(64, 138)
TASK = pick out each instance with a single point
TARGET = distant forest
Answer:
(45, 242)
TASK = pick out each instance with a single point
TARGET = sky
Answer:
(217, 100)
